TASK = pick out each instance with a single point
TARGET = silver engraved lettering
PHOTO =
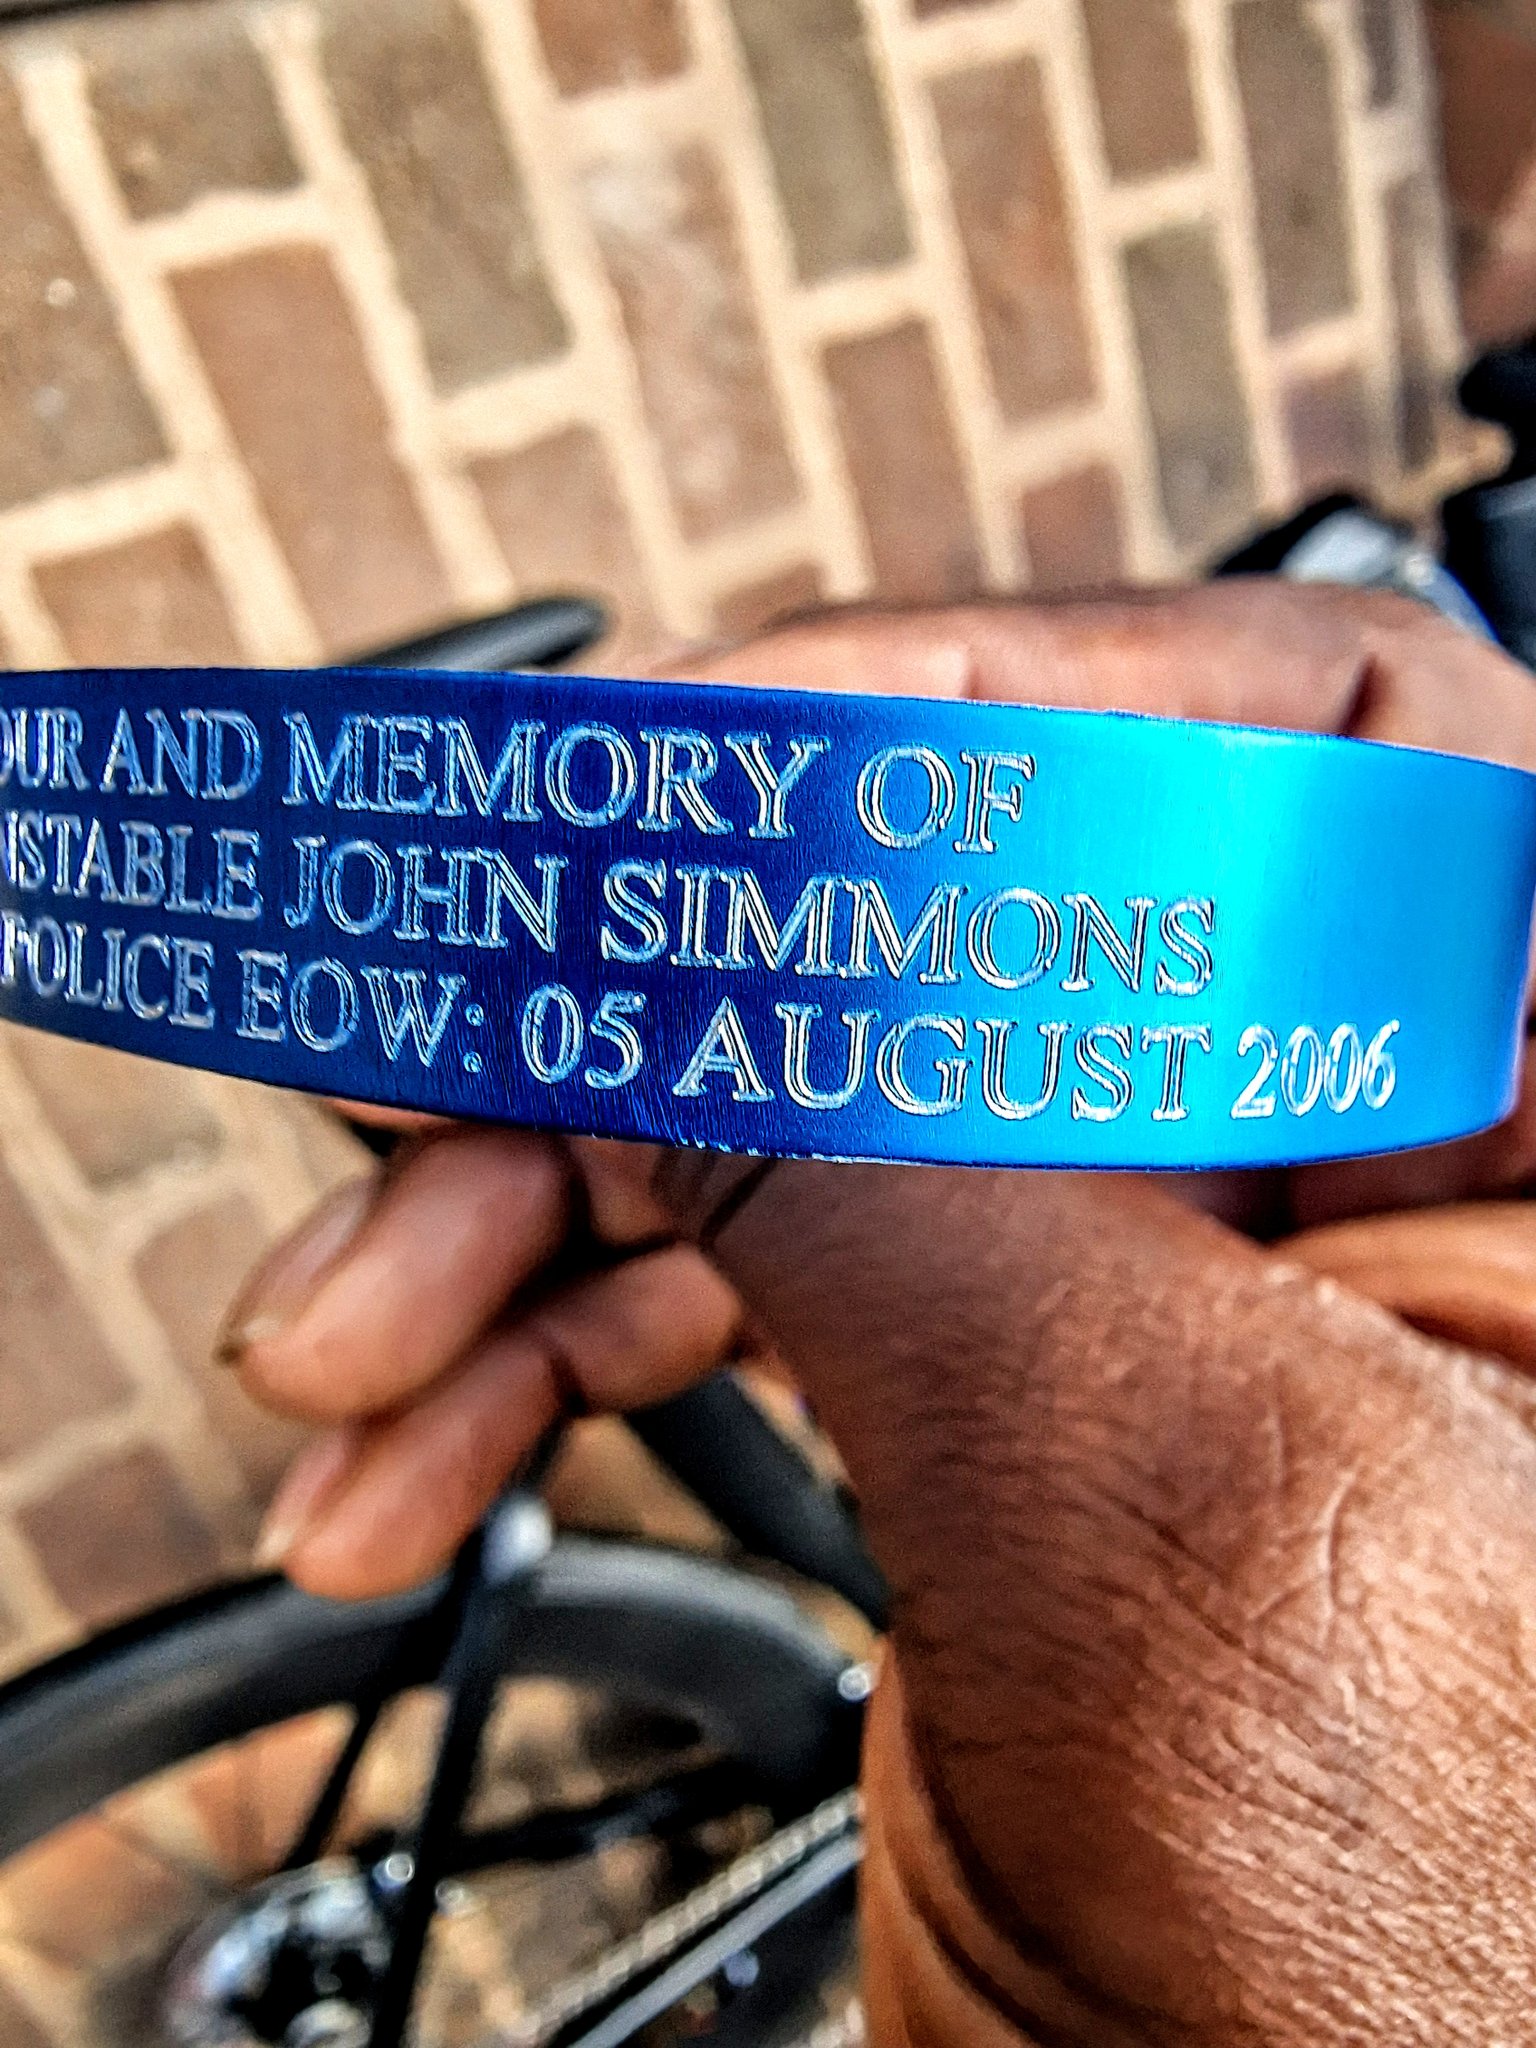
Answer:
(1176, 1039)
(611, 1025)
(339, 778)
(770, 785)
(984, 795)
(559, 771)
(890, 1067)
(192, 984)
(1187, 946)
(1091, 924)
(375, 897)
(237, 884)
(724, 1049)
(1096, 1065)
(693, 918)
(96, 866)
(997, 1036)
(402, 786)
(143, 864)
(646, 920)
(464, 773)
(797, 1019)
(47, 982)
(222, 784)
(146, 1010)
(76, 991)
(870, 796)
(810, 922)
(979, 944)
(340, 997)
(937, 921)
(263, 986)
(677, 763)
(399, 996)
(123, 758)
(167, 749)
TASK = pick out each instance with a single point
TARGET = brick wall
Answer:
(325, 320)
(1485, 52)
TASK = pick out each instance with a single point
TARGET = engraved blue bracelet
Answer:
(771, 922)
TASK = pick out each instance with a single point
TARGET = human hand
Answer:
(1211, 1580)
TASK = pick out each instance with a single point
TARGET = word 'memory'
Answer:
(591, 775)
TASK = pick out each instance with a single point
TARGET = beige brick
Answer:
(557, 514)
(280, 348)
(1383, 25)
(189, 1275)
(1073, 531)
(89, 1892)
(417, 113)
(595, 43)
(1011, 208)
(898, 439)
(1423, 396)
(1141, 72)
(755, 606)
(1286, 79)
(827, 131)
(55, 1367)
(70, 405)
(183, 106)
(1331, 433)
(1182, 313)
(151, 602)
(118, 1115)
(119, 1536)
(667, 231)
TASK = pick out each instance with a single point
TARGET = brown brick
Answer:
(756, 606)
(557, 513)
(900, 449)
(1011, 208)
(1182, 316)
(89, 1892)
(1381, 32)
(1422, 394)
(71, 407)
(594, 43)
(1329, 427)
(147, 603)
(120, 1536)
(1286, 82)
(924, 7)
(280, 348)
(1487, 89)
(54, 1366)
(184, 106)
(827, 132)
(18, 2029)
(671, 243)
(1141, 71)
(190, 1274)
(1073, 531)
(118, 1115)
(413, 99)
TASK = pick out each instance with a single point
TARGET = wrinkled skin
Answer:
(1211, 1705)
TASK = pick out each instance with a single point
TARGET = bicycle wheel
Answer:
(659, 1716)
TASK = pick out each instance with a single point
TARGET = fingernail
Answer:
(312, 1480)
(280, 1286)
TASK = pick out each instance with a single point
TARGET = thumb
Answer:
(1212, 1594)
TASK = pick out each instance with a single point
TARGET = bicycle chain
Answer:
(667, 1932)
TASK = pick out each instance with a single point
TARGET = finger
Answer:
(1253, 651)
(1466, 1273)
(1174, 1532)
(383, 1507)
(465, 1220)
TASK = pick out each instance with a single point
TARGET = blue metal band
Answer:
(770, 922)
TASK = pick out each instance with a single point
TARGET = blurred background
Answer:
(323, 322)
